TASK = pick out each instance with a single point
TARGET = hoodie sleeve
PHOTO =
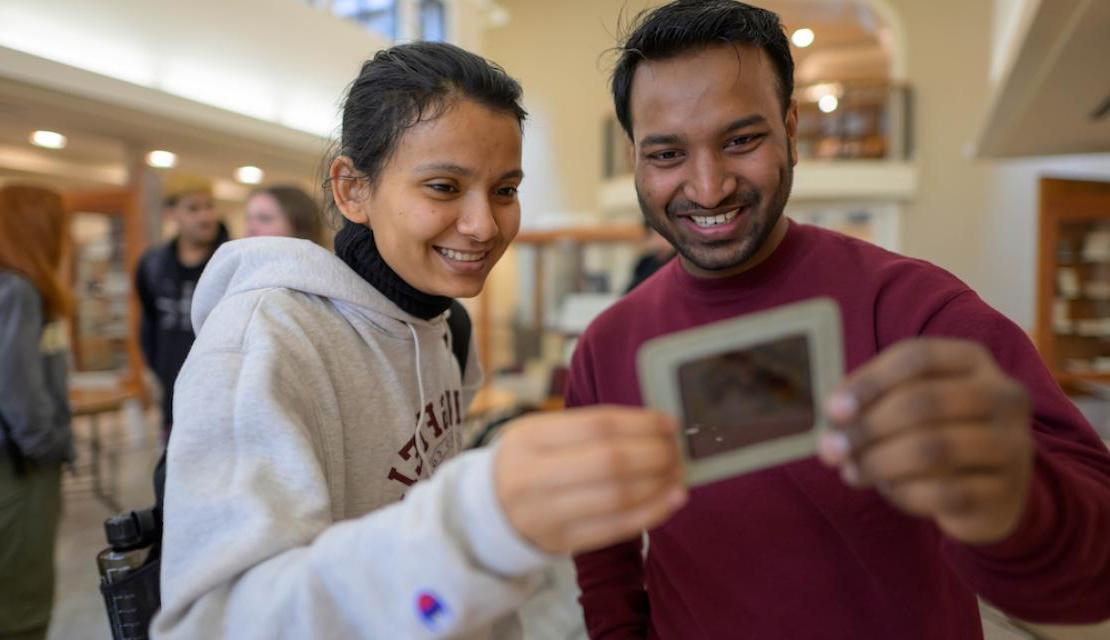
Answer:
(252, 550)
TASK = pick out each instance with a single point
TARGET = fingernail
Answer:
(850, 474)
(842, 405)
(834, 446)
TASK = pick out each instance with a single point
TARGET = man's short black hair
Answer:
(683, 26)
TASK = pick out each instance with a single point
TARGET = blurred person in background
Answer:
(35, 435)
(283, 210)
(656, 252)
(167, 276)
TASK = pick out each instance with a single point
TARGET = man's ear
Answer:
(792, 131)
(349, 190)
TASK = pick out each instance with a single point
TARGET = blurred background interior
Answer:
(971, 133)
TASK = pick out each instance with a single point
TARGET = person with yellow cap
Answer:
(167, 276)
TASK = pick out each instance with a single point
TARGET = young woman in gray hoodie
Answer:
(322, 390)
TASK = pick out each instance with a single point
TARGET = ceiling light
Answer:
(249, 175)
(497, 16)
(828, 104)
(48, 139)
(161, 159)
(802, 38)
(815, 92)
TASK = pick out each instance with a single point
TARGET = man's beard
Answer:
(759, 230)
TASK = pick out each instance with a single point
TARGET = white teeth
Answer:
(461, 256)
(712, 221)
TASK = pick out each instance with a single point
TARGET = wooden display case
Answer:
(1073, 288)
(107, 231)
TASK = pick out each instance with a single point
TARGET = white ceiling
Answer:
(105, 138)
(221, 84)
(1052, 95)
(850, 40)
(110, 123)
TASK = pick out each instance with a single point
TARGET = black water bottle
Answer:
(129, 573)
(127, 550)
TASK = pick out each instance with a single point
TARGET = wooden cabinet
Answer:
(106, 228)
(1073, 288)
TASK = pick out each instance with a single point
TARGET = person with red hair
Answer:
(35, 436)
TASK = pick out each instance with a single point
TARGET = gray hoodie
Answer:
(298, 430)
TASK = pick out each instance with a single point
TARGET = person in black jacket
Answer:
(166, 277)
(656, 253)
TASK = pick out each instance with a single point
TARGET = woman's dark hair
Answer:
(299, 209)
(408, 84)
(688, 25)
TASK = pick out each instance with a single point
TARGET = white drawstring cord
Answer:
(419, 416)
(456, 430)
(456, 435)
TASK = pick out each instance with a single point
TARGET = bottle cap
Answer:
(128, 531)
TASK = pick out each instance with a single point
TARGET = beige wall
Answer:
(555, 50)
(948, 45)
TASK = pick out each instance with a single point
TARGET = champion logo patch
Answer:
(431, 610)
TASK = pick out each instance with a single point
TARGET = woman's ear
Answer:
(349, 190)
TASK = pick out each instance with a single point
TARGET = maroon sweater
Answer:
(793, 552)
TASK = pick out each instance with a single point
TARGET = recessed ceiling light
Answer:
(802, 38)
(828, 104)
(161, 159)
(249, 175)
(48, 139)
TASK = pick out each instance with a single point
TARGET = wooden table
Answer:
(92, 403)
(490, 400)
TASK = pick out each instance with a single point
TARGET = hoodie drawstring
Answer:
(456, 431)
(420, 415)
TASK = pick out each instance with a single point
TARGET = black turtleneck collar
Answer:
(354, 244)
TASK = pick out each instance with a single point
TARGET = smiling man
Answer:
(957, 466)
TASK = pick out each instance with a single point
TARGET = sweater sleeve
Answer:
(252, 549)
(1055, 568)
(25, 403)
(611, 579)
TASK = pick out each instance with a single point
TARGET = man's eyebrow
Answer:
(659, 138)
(746, 121)
(671, 138)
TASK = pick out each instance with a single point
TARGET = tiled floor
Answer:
(79, 611)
